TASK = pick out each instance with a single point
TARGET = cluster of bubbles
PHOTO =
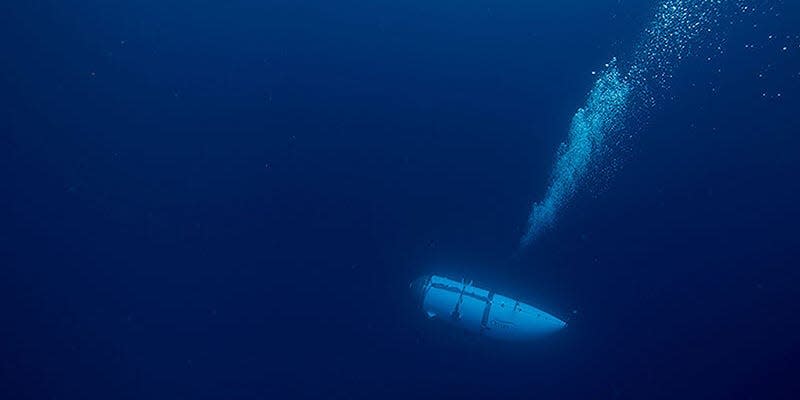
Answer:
(671, 36)
(619, 97)
(603, 114)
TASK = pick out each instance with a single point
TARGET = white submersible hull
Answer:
(482, 311)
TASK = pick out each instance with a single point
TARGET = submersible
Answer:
(481, 311)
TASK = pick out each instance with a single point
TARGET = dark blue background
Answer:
(228, 200)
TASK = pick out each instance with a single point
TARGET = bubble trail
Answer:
(620, 97)
(601, 114)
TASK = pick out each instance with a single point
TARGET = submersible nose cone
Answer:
(418, 287)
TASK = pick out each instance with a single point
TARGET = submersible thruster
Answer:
(481, 311)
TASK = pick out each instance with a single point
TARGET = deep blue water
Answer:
(227, 200)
